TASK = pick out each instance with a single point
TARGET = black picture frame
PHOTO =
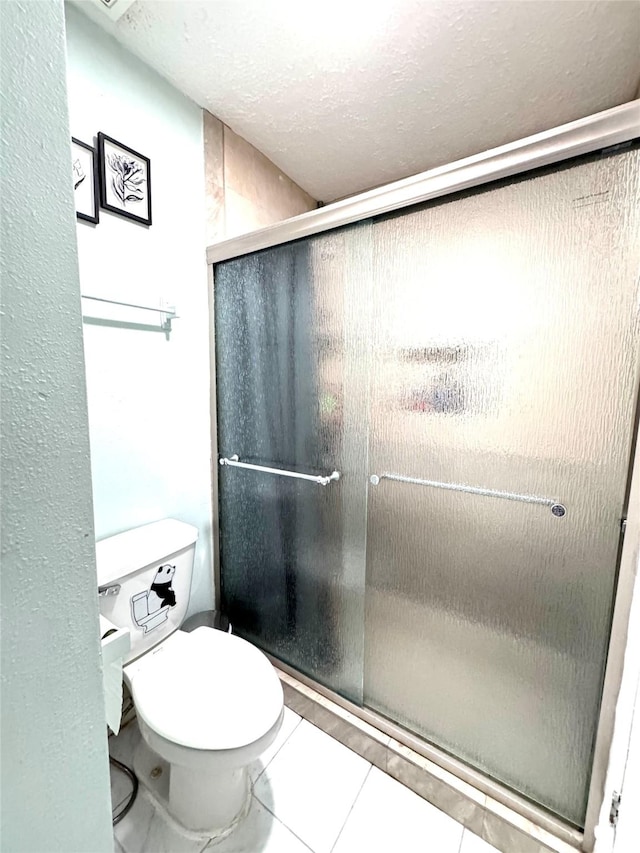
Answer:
(85, 158)
(125, 180)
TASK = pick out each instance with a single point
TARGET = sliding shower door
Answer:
(504, 383)
(470, 368)
(291, 349)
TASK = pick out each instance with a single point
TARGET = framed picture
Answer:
(85, 180)
(125, 180)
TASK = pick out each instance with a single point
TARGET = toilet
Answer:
(208, 703)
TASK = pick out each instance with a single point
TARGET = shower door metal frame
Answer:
(603, 130)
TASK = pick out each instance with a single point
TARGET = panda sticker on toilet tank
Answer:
(151, 607)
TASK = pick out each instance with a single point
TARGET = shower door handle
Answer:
(234, 462)
(558, 509)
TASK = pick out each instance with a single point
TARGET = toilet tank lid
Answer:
(120, 555)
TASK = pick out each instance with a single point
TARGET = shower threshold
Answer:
(487, 808)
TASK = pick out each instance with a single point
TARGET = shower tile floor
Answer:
(310, 793)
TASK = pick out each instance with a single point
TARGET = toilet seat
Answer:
(207, 690)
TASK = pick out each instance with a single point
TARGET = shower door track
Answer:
(584, 136)
(603, 131)
(562, 830)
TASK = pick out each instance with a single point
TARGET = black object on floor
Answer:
(116, 818)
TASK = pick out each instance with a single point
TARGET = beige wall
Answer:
(244, 189)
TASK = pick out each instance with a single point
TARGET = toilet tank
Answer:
(144, 580)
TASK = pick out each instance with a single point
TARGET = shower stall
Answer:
(426, 416)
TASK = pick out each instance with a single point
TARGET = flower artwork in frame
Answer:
(85, 180)
(125, 180)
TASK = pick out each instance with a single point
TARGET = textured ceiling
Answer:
(347, 95)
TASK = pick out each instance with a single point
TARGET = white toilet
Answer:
(208, 703)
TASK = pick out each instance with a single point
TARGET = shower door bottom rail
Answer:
(321, 480)
(559, 510)
(552, 824)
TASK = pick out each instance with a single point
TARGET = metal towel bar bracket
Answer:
(168, 313)
(234, 462)
(558, 509)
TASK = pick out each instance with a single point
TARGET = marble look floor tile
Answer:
(298, 702)
(371, 749)
(289, 723)
(260, 831)
(342, 725)
(146, 830)
(121, 788)
(468, 812)
(437, 772)
(122, 747)
(311, 785)
(388, 816)
(547, 841)
(508, 838)
(472, 843)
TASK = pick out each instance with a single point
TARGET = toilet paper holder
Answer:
(115, 642)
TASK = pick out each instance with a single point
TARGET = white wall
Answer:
(621, 767)
(626, 837)
(148, 397)
(623, 771)
(55, 776)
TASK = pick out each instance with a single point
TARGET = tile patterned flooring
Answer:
(310, 793)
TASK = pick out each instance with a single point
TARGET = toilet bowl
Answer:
(208, 702)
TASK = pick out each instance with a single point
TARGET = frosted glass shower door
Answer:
(291, 347)
(506, 341)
